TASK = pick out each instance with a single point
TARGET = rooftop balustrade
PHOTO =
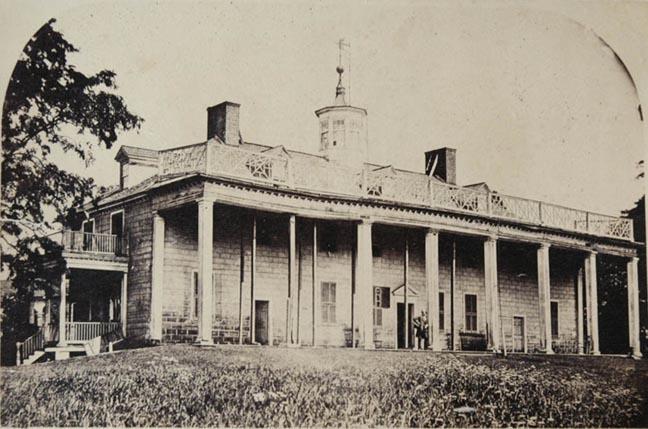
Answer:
(311, 173)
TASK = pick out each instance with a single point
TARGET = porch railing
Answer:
(388, 184)
(28, 347)
(83, 331)
(78, 241)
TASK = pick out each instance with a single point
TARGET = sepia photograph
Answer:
(310, 213)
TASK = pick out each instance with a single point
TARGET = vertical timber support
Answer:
(579, 311)
(123, 308)
(205, 263)
(432, 286)
(591, 284)
(253, 258)
(453, 293)
(405, 286)
(365, 283)
(157, 277)
(492, 294)
(544, 295)
(633, 307)
(241, 275)
(62, 310)
(314, 285)
(291, 331)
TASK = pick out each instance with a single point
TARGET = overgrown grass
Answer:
(247, 386)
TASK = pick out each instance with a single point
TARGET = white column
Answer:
(157, 277)
(291, 334)
(544, 291)
(633, 307)
(592, 303)
(432, 286)
(365, 283)
(315, 301)
(62, 308)
(253, 258)
(579, 309)
(124, 302)
(205, 263)
(492, 294)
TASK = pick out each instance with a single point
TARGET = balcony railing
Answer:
(78, 241)
(315, 174)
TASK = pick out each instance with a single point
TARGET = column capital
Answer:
(633, 259)
(491, 239)
(205, 200)
(432, 231)
(591, 252)
(544, 245)
(366, 221)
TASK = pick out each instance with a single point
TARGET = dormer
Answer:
(135, 165)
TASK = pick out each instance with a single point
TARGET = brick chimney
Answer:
(223, 121)
(442, 164)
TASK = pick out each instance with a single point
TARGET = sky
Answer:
(534, 101)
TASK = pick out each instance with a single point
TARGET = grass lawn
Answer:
(254, 386)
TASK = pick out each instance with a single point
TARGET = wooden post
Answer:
(157, 277)
(365, 282)
(62, 310)
(299, 287)
(241, 276)
(633, 307)
(205, 267)
(453, 315)
(292, 282)
(432, 286)
(405, 280)
(314, 278)
(544, 292)
(579, 311)
(124, 303)
(354, 263)
(253, 259)
(592, 305)
(492, 294)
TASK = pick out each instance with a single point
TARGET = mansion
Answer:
(227, 241)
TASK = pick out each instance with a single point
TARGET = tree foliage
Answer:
(50, 107)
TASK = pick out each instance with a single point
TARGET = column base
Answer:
(370, 347)
(293, 345)
(636, 355)
(60, 355)
(204, 343)
(596, 353)
(549, 352)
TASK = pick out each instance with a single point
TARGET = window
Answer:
(381, 300)
(324, 135)
(117, 223)
(441, 312)
(554, 318)
(338, 132)
(354, 132)
(471, 312)
(88, 226)
(328, 302)
(195, 298)
(376, 251)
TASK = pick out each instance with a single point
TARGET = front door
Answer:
(518, 334)
(400, 322)
(261, 313)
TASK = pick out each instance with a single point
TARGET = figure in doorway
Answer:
(421, 331)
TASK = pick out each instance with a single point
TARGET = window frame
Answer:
(123, 228)
(471, 314)
(194, 303)
(441, 311)
(328, 304)
(557, 319)
(379, 303)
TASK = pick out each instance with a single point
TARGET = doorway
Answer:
(519, 340)
(261, 321)
(400, 323)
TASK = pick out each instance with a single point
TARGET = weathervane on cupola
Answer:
(343, 128)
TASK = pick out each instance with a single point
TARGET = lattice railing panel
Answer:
(564, 217)
(247, 164)
(515, 208)
(325, 177)
(457, 198)
(400, 186)
(610, 226)
(184, 159)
